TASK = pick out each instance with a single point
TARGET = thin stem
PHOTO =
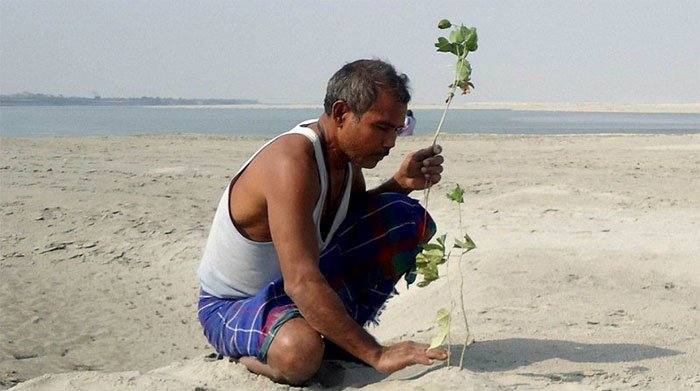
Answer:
(449, 329)
(461, 294)
(444, 112)
(450, 95)
(426, 196)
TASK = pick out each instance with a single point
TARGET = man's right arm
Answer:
(291, 195)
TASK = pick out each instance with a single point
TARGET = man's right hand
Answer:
(395, 357)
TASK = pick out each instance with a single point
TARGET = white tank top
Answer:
(233, 266)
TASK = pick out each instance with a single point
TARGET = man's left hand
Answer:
(420, 169)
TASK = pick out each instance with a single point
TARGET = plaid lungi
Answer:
(374, 246)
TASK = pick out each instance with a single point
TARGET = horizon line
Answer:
(665, 107)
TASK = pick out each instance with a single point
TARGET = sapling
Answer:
(435, 254)
(462, 40)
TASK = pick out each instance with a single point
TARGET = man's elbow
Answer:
(295, 288)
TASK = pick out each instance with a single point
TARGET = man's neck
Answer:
(326, 129)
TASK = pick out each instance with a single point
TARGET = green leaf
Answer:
(429, 273)
(464, 33)
(443, 319)
(434, 256)
(458, 35)
(443, 45)
(427, 261)
(444, 24)
(464, 70)
(434, 246)
(467, 244)
(441, 241)
(457, 194)
(471, 42)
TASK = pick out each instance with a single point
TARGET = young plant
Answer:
(435, 254)
(462, 40)
(465, 245)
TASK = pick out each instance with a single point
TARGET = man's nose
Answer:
(390, 140)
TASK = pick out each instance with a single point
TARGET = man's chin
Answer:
(371, 163)
(366, 165)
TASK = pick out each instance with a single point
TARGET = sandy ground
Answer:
(586, 275)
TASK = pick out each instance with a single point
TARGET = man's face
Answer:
(368, 140)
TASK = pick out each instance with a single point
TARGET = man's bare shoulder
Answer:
(265, 188)
(288, 160)
(292, 151)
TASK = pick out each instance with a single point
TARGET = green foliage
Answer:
(435, 254)
(427, 261)
(443, 320)
(457, 194)
(444, 24)
(466, 245)
(462, 40)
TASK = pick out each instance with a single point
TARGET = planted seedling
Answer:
(461, 41)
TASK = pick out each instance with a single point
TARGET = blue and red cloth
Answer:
(375, 245)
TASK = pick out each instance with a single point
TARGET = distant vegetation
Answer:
(30, 99)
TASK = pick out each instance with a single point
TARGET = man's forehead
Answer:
(384, 117)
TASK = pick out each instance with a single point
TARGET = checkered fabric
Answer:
(375, 245)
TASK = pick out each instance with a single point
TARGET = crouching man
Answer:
(301, 255)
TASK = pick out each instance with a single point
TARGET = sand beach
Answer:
(586, 274)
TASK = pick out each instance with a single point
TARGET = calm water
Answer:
(115, 120)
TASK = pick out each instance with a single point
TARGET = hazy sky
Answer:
(631, 51)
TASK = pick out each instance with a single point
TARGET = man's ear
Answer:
(340, 112)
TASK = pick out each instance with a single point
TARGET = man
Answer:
(301, 255)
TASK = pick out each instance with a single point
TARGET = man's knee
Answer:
(296, 352)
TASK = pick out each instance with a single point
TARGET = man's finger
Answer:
(432, 169)
(437, 354)
(433, 179)
(425, 153)
(433, 161)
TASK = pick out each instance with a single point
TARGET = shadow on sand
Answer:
(511, 353)
(499, 355)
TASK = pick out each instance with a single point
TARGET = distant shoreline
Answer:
(593, 107)
(32, 99)
(681, 108)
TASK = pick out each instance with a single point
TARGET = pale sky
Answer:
(618, 51)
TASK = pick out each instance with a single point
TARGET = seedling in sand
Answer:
(462, 40)
(427, 262)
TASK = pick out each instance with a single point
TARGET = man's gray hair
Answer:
(358, 84)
